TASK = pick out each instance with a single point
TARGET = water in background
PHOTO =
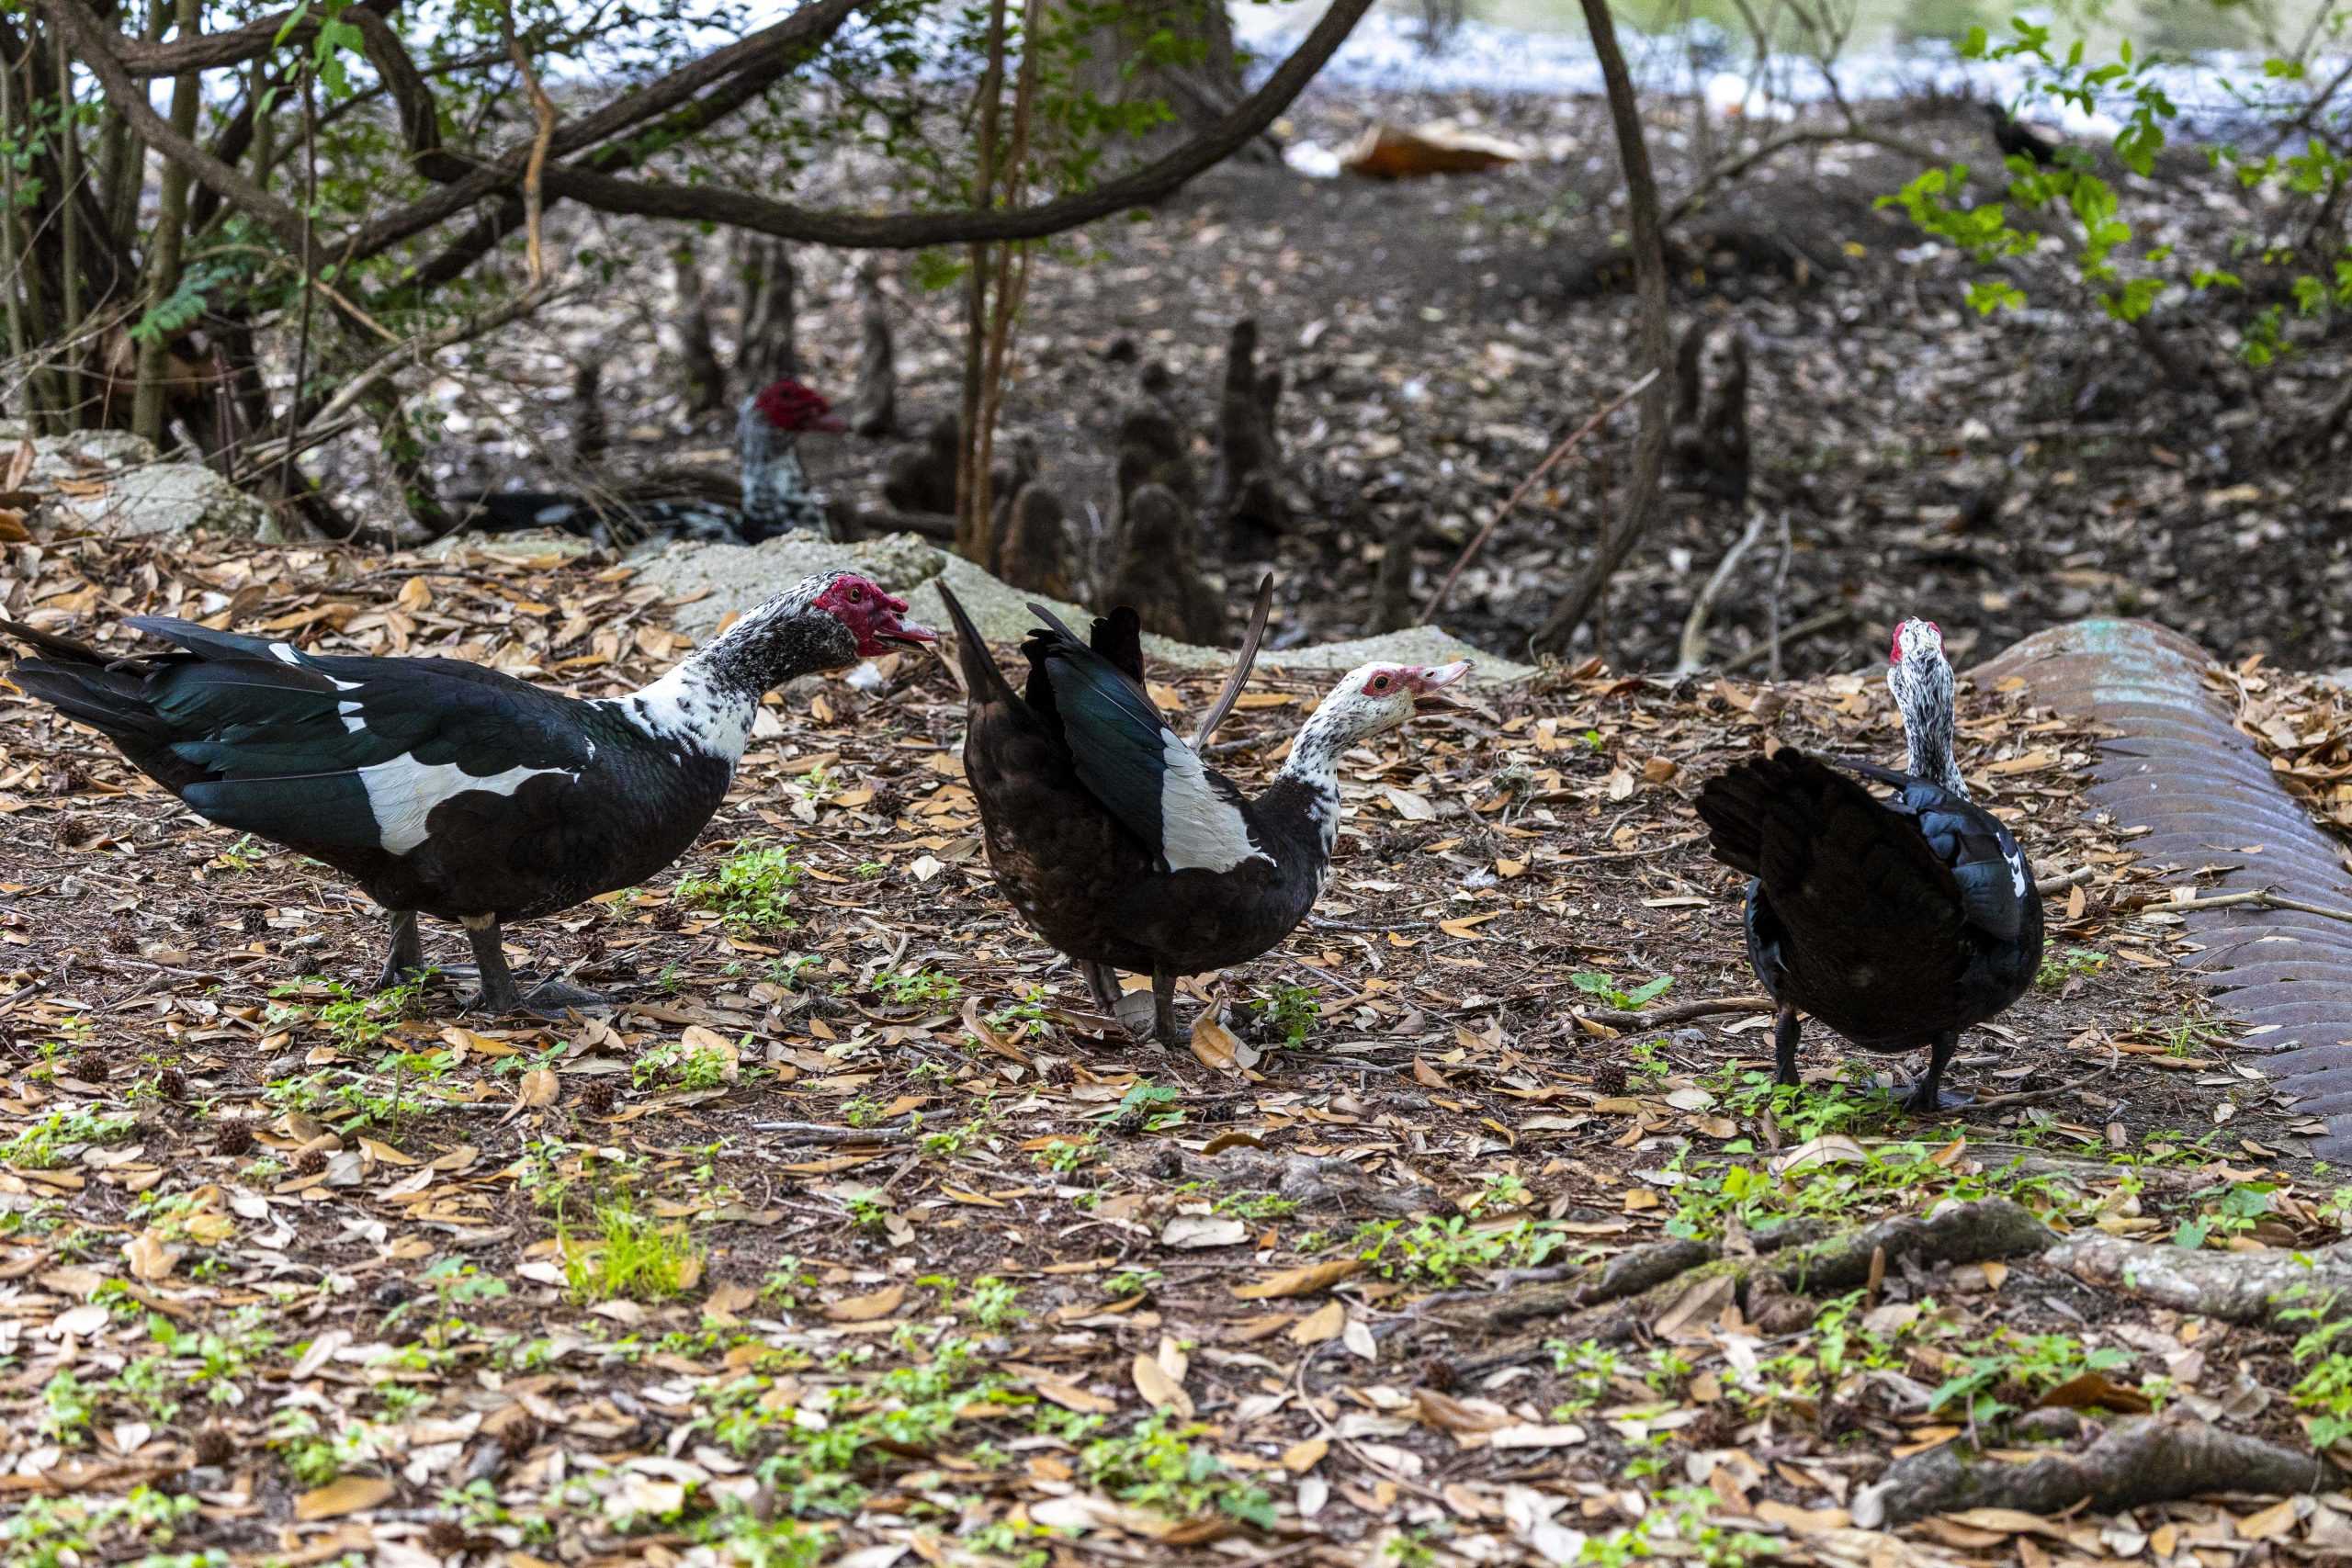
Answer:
(1700, 47)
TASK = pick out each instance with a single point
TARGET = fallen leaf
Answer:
(868, 1307)
(1301, 1282)
(345, 1494)
(1158, 1390)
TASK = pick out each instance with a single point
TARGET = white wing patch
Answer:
(1199, 828)
(2016, 871)
(403, 792)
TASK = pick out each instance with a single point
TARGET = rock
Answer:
(120, 484)
(739, 576)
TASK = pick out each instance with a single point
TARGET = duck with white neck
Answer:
(1897, 921)
(1118, 844)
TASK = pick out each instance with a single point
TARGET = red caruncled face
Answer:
(871, 614)
(1895, 656)
(789, 405)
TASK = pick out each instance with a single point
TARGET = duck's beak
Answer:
(1429, 688)
(897, 630)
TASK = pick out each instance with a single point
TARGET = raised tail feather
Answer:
(983, 681)
(1847, 875)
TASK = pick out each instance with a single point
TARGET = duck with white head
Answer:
(1898, 922)
(1118, 844)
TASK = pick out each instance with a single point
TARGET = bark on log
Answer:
(2241, 1287)
(1247, 495)
(770, 349)
(2140, 1459)
(1956, 1233)
(590, 434)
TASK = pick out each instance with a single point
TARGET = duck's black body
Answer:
(442, 787)
(1899, 922)
(331, 756)
(1108, 834)
(777, 496)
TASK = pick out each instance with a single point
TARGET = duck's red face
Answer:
(872, 616)
(790, 406)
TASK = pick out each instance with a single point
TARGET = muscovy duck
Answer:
(2018, 140)
(446, 788)
(777, 498)
(1114, 840)
(1898, 922)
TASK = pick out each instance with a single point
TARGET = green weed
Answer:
(753, 891)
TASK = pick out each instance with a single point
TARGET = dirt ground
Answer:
(854, 1236)
(1439, 335)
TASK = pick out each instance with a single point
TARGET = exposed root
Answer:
(1630, 1295)
(2241, 1287)
(2140, 1459)
(1956, 1233)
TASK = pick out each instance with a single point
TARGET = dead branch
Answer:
(1693, 651)
(1479, 540)
(2259, 897)
(1681, 1012)
(2140, 1459)
(1812, 625)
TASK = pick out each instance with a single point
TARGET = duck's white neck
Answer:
(1313, 761)
(1926, 701)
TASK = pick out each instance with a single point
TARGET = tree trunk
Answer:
(1179, 51)
(705, 378)
(1649, 284)
(769, 350)
(164, 257)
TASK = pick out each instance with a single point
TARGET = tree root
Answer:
(2239, 1287)
(2140, 1459)
(1626, 1296)
(1956, 1233)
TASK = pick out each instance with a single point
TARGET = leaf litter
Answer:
(856, 1234)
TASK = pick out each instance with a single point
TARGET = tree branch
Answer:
(916, 230)
(91, 43)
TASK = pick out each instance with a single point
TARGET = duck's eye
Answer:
(858, 595)
(1377, 684)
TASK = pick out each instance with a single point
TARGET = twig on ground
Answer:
(1692, 652)
(823, 1132)
(2059, 881)
(1683, 1012)
(2259, 897)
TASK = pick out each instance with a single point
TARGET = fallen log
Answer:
(2239, 1287)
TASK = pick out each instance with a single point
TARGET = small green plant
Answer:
(1445, 1252)
(681, 1066)
(59, 1136)
(753, 891)
(2237, 1210)
(1132, 1282)
(351, 1019)
(1291, 1011)
(917, 987)
(633, 1254)
(67, 1407)
(1604, 989)
(242, 857)
(1157, 1466)
(2065, 963)
(2023, 1365)
(1135, 1108)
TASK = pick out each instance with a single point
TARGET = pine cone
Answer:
(234, 1139)
(172, 1084)
(65, 780)
(252, 922)
(597, 1097)
(1438, 1375)
(669, 918)
(122, 939)
(90, 1066)
(445, 1538)
(1609, 1079)
(213, 1447)
(310, 1161)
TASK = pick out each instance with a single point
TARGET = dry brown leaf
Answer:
(1324, 1322)
(1158, 1390)
(345, 1494)
(868, 1307)
(1303, 1280)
